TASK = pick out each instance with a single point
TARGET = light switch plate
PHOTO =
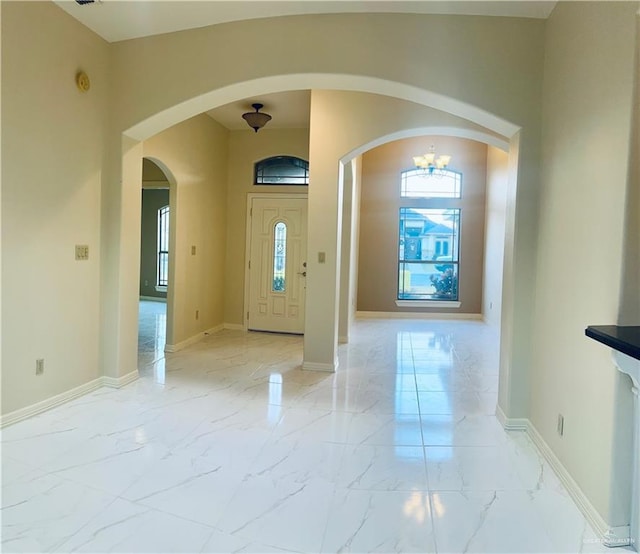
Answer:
(82, 251)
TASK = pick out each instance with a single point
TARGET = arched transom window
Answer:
(282, 170)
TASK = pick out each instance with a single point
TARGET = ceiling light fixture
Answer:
(430, 164)
(256, 120)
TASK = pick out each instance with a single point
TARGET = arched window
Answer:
(282, 170)
(163, 247)
(442, 183)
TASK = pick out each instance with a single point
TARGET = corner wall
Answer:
(587, 99)
(195, 151)
(495, 229)
(53, 137)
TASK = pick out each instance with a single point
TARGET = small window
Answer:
(163, 247)
(443, 183)
(428, 254)
(279, 257)
(282, 170)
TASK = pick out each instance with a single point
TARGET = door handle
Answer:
(303, 273)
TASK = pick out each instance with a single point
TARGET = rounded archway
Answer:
(321, 335)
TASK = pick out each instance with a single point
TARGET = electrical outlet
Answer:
(560, 424)
(322, 257)
(39, 366)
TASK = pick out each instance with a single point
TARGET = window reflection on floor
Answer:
(425, 361)
(152, 333)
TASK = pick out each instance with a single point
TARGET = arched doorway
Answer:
(321, 338)
(155, 254)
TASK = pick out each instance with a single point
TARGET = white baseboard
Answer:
(315, 366)
(611, 536)
(119, 382)
(154, 299)
(342, 339)
(64, 397)
(512, 423)
(192, 340)
(44, 405)
(235, 326)
(417, 315)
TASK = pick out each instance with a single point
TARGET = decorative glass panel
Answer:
(163, 247)
(442, 183)
(282, 170)
(428, 254)
(279, 257)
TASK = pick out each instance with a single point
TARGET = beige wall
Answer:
(495, 228)
(630, 293)
(350, 246)
(195, 152)
(380, 203)
(342, 128)
(504, 97)
(585, 163)
(52, 174)
(245, 149)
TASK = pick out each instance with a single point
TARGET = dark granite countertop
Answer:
(625, 339)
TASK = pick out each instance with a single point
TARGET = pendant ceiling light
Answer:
(256, 120)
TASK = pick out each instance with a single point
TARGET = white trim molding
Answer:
(315, 366)
(417, 315)
(193, 340)
(235, 326)
(154, 298)
(427, 304)
(511, 423)
(119, 382)
(64, 397)
(611, 536)
(44, 405)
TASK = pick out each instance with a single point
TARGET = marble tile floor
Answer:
(152, 331)
(228, 446)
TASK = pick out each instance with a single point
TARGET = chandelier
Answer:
(256, 120)
(430, 164)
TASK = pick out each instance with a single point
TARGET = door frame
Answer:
(247, 248)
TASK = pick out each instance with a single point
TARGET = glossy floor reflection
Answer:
(228, 446)
(152, 331)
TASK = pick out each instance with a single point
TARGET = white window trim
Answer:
(428, 303)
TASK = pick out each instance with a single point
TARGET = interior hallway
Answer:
(228, 446)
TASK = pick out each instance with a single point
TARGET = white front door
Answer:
(277, 264)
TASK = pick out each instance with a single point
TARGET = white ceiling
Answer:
(116, 20)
